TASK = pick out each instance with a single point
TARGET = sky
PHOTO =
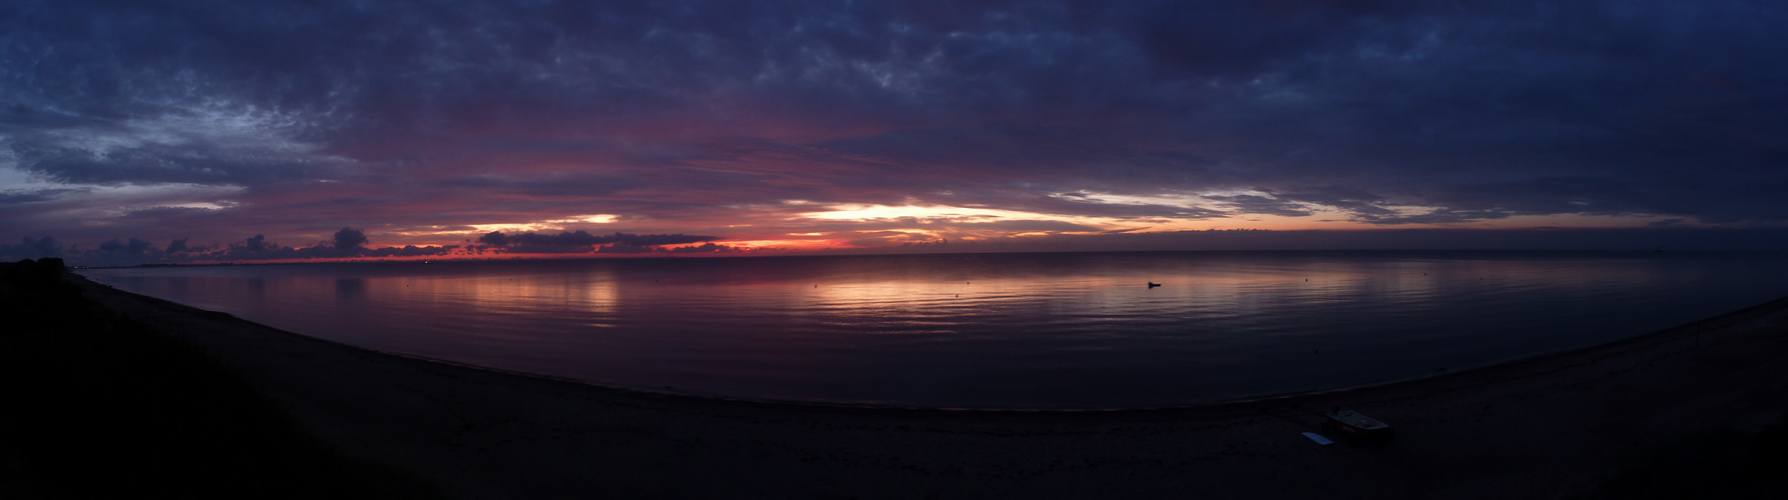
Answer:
(142, 131)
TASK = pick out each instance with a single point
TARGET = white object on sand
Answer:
(1318, 438)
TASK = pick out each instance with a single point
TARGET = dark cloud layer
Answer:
(32, 248)
(583, 242)
(349, 239)
(209, 120)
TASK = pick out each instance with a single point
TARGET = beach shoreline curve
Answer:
(489, 433)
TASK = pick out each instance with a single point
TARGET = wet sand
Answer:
(1556, 426)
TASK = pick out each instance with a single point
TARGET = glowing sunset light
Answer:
(783, 244)
(1037, 125)
(881, 212)
(545, 225)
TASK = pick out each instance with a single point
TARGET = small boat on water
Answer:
(1153, 284)
(1356, 427)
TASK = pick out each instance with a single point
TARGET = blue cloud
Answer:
(672, 112)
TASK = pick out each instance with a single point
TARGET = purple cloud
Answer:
(208, 120)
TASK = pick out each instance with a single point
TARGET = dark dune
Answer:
(1583, 424)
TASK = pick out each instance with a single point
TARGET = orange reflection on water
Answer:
(593, 292)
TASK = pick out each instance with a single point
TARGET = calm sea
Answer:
(984, 331)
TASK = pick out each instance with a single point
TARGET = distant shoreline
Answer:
(1562, 422)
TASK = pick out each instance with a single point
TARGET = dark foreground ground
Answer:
(1694, 411)
(96, 405)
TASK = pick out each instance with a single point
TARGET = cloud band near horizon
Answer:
(865, 125)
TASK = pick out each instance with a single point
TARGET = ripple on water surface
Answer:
(985, 331)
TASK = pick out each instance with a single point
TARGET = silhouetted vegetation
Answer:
(101, 406)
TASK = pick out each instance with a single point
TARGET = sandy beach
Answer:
(1557, 426)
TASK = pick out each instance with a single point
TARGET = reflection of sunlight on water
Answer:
(350, 289)
(593, 296)
(1110, 298)
(1000, 331)
(894, 299)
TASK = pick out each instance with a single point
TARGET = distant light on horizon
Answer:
(1036, 125)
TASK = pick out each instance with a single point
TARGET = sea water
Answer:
(984, 330)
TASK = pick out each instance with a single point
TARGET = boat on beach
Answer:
(1356, 427)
